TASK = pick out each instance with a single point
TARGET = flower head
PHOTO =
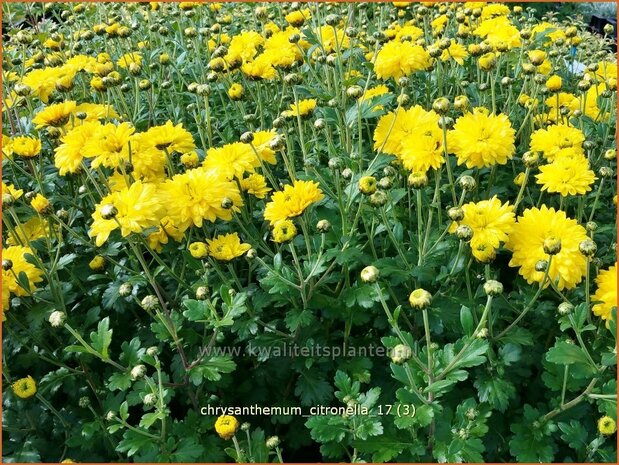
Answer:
(607, 426)
(192, 202)
(396, 59)
(558, 141)
(226, 426)
(138, 207)
(227, 247)
(25, 387)
(567, 176)
(26, 147)
(198, 249)
(303, 108)
(606, 293)
(539, 226)
(491, 222)
(284, 231)
(292, 201)
(420, 299)
(480, 140)
(54, 115)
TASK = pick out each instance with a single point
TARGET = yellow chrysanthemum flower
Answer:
(68, 156)
(526, 241)
(398, 133)
(9, 190)
(198, 249)
(292, 201)
(54, 115)
(304, 108)
(558, 141)
(171, 138)
(109, 145)
(40, 204)
(491, 222)
(25, 387)
(128, 59)
(226, 426)
(200, 194)
(480, 140)
(227, 247)
(26, 147)
(131, 209)
(396, 59)
(166, 229)
(33, 229)
(231, 160)
(566, 176)
(261, 143)
(256, 185)
(606, 293)
(16, 256)
(284, 231)
(607, 426)
(456, 52)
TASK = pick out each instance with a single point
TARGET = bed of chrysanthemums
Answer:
(355, 232)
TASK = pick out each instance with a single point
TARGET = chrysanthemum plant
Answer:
(395, 223)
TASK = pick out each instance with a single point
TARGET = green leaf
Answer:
(102, 338)
(327, 428)
(574, 434)
(564, 353)
(466, 319)
(124, 410)
(187, 450)
(119, 381)
(197, 310)
(494, 390)
(313, 389)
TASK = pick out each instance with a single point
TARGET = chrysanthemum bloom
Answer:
(292, 201)
(284, 231)
(396, 59)
(198, 249)
(25, 387)
(97, 263)
(137, 207)
(33, 229)
(244, 47)
(200, 194)
(108, 145)
(481, 140)
(9, 189)
(166, 229)
(456, 52)
(148, 162)
(226, 426)
(297, 18)
(68, 156)
(374, 92)
(539, 226)
(607, 426)
(40, 204)
(256, 185)
(16, 256)
(558, 141)
(26, 147)
(128, 59)
(227, 247)
(412, 135)
(497, 31)
(606, 293)
(231, 160)
(491, 222)
(54, 115)
(567, 176)
(420, 299)
(304, 108)
(261, 143)
(171, 138)
(236, 91)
